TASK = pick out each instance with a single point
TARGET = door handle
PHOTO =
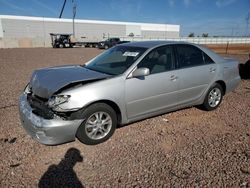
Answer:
(212, 69)
(173, 78)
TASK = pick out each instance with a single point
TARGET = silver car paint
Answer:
(157, 93)
(48, 132)
(130, 95)
(144, 96)
(45, 82)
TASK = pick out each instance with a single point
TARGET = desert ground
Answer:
(185, 148)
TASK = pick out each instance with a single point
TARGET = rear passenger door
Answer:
(195, 71)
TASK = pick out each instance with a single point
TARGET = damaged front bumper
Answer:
(46, 131)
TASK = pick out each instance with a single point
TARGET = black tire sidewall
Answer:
(81, 134)
(206, 104)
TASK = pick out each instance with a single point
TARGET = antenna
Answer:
(62, 9)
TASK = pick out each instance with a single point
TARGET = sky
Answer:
(215, 17)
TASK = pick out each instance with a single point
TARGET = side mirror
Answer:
(140, 72)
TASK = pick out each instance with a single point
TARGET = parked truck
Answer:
(59, 40)
(110, 42)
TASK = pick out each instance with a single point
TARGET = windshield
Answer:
(116, 60)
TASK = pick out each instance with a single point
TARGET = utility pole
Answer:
(247, 23)
(74, 15)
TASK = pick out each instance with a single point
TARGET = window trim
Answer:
(203, 56)
(192, 46)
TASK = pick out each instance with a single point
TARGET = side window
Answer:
(207, 59)
(159, 60)
(189, 56)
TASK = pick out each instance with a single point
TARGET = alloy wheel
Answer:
(214, 97)
(98, 125)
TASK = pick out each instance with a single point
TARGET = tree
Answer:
(191, 35)
(204, 34)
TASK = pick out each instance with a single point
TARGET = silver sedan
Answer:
(124, 84)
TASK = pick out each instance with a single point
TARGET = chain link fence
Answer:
(198, 40)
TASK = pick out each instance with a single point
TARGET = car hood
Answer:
(45, 82)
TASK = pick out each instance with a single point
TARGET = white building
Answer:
(23, 31)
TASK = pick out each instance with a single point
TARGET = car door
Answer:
(156, 91)
(195, 72)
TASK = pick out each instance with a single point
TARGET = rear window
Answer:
(207, 59)
(189, 56)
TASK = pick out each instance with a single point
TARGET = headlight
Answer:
(27, 89)
(57, 100)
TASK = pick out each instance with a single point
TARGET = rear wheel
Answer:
(213, 97)
(99, 124)
(106, 47)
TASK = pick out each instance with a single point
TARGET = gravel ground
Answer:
(186, 148)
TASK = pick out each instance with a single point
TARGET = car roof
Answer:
(151, 44)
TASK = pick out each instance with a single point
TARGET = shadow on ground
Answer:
(63, 175)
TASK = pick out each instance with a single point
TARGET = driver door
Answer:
(158, 90)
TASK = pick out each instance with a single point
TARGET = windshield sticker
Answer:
(131, 54)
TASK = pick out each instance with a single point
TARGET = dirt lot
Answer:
(186, 148)
(230, 48)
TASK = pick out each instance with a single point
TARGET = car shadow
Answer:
(244, 70)
(62, 174)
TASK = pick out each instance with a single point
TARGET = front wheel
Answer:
(213, 97)
(99, 124)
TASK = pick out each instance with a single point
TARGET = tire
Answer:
(61, 45)
(106, 47)
(213, 98)
(92, 132)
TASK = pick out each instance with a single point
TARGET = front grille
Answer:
(39, 106)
